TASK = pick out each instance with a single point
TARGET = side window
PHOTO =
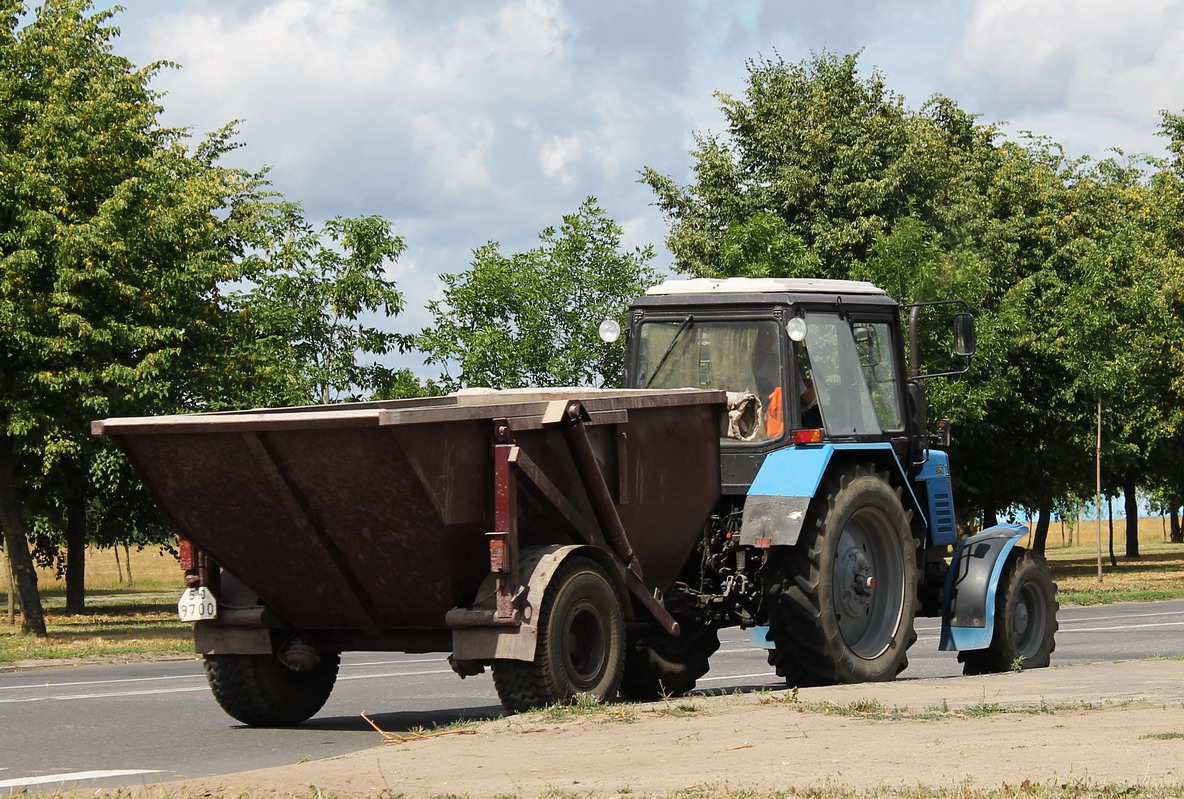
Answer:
(854, 374)
(873, 342)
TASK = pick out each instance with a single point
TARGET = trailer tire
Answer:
(829, 621)
(1025, 619)
(581, 643)
(260, 691)
(670, 667)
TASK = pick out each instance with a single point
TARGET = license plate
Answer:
(197, 604)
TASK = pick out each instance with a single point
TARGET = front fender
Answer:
(788, 481)
(968, 603)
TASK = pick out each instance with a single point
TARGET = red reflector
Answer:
(185, 554)
(813, 436)
(763, 543)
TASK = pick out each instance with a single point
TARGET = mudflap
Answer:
(968, 603)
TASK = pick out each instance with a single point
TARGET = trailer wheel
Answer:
(581, 643)
(260, 691)
(670, 667)
(843, 599)
(1025, 619)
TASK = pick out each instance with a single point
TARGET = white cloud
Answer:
(1110, 67)
(474, 120)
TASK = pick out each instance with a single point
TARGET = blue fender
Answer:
(780, 495)
(968, 604)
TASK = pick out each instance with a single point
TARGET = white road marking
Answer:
(393, 674)
(75, 776)
(764, 674)
(1119, 627)
(99, 682)
(108, 695)
(1127, 616)
(159, 691)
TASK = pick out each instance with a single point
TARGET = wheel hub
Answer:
(858, 583)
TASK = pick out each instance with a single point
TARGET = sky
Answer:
(468, 121)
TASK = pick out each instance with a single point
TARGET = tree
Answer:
(531, 319)
(812, 143)
(115, 236)
(301, 319)
(1071, 265)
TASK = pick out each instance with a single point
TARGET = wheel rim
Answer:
(585, 648)
(1027, 620)
(868, 584)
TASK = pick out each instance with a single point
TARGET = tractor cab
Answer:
(823, 357)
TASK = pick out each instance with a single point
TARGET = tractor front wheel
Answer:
(1025, 619)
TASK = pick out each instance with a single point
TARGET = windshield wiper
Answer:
(684, 327)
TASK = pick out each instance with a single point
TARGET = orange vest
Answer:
(774, 419)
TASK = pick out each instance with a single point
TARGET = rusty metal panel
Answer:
(375, 517)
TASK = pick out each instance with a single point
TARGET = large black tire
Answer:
(843, 599)
(1025, 619)
(581, 643)
(669, 667)
(260, 691)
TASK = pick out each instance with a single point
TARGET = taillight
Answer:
(809, 436)
(185, 554)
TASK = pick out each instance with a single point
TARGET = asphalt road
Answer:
(119, 725)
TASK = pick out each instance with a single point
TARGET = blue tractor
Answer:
(836, 525)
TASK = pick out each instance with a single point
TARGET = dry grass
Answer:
(121, 621)
(1158, 572)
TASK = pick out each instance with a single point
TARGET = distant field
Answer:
(1072, 552)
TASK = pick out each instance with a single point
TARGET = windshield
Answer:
(736, 355)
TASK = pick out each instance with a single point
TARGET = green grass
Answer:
(874, 710)
(123, 624)
(1162, 736)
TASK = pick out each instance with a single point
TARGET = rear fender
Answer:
(788, 481)
(536, 567)
(968, 603)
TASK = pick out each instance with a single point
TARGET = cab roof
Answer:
(763, 285)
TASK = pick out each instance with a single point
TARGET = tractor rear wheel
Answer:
(581, 643)
(843, 599)
(1025, 619)
(669, 667)
(260, 691)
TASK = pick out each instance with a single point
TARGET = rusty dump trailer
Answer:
(522, 530)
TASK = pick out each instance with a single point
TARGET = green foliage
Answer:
(1072, 266)
(301, 319)
(811, 143)
(531, 318)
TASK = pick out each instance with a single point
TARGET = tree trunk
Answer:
(1131, 498)
(16, 543)
(76, 543)
(127, 561)
(11, 584)
(1110, 515)
(1177, 531)
(1040, 535)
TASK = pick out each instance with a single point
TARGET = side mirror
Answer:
(965, 342)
